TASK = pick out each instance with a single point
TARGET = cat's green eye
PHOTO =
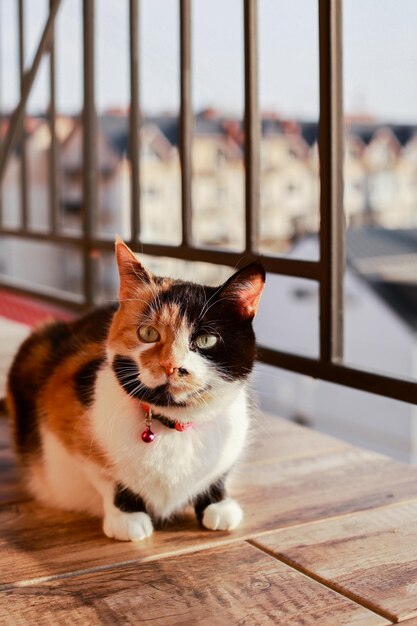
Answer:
(148, 334)
(205, 342)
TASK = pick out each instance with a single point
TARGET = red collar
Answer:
(166, 421)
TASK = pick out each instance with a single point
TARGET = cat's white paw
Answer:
(127, 526)
(224, 515)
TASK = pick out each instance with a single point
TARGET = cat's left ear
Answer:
(133, 275)
(244, 289)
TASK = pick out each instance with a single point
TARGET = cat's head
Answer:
(179, 344)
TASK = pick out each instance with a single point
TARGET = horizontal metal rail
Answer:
(70, 301)
(364, 380)
(278, 265)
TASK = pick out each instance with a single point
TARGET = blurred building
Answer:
(380, 184)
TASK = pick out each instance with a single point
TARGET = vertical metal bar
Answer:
(53, 152)
(29, 79)
(332, 230)
(23, 154)
(134, 147)
(89, 151)
(252, 126)
(186, 120)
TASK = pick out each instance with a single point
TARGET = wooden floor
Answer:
(329, 537)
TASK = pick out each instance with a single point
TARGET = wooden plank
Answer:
(37, 542)
(234, 585)
(5, 438)
(331, 484)
(10, 488)
(276, 439)
(370, 557)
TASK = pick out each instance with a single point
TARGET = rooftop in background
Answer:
(211, 122)
(387, 260)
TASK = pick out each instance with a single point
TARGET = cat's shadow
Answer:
(40, 542)
(62, 562)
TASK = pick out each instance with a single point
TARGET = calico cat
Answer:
(137, 410)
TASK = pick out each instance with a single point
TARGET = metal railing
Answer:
(328, 271)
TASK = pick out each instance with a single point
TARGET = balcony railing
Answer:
(328, 271)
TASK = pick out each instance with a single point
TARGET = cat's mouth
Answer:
(176, 387)
(181, 394)
(165, 395)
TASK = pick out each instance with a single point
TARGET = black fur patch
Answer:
(23, 386)
(84, 381)
(127, 373)
(215, 493)
(127, 501)
(60, 340)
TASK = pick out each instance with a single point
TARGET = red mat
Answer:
(29, 311)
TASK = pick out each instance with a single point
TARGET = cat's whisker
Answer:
(227, 298)
(205, 309)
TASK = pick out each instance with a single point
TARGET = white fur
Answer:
(177, 465)
(167, 473)
(127, 526)
(224, 515)
(61, 480)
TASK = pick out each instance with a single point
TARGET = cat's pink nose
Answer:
(169, 368)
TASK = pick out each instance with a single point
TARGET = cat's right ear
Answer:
(244, 290)
(132, 273)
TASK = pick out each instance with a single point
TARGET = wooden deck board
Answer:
(370, 556)
(327, 485)
(237, 584)
(274, 439)
(277, 495)
(336, 513)
(10, 488)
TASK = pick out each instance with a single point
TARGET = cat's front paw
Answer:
(127, 526)
(224, 515)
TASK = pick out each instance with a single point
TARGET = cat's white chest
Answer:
(176, 466)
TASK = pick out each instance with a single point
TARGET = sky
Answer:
(380, 56)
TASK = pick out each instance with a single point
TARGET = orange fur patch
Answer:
(173, 345)
(174, 333)
(62, 412)
(123, 331)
